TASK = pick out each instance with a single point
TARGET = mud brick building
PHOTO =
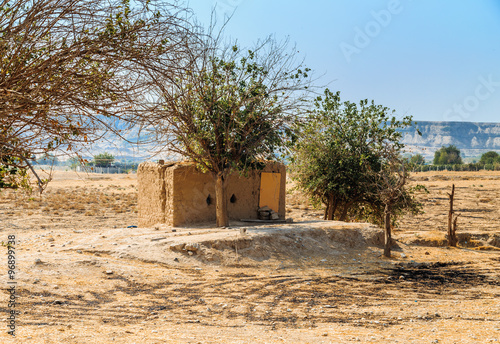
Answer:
(177, 194)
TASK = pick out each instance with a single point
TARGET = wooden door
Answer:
(270, 190)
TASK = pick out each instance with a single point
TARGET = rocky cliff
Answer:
(472, 139)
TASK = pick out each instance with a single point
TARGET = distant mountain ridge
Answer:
(473, 139)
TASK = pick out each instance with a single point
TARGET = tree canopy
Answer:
(417, 159)
(490, 158)
(231, 110)
(341, 150)
(104, 159)
(449, 155)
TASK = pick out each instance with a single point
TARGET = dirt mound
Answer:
(285, 243)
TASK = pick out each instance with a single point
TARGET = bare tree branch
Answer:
(73, 70)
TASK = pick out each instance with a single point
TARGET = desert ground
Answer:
(84, 276)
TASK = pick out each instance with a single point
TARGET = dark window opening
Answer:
(209, 200)
(232, 199)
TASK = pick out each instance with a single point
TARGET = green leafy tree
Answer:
(103, 160)
(417, 160)
(10, 175)
(490, 158)
(231, 111)
(74, 162)
(449, 155)
(341, 148)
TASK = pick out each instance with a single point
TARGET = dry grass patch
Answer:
(75, 200)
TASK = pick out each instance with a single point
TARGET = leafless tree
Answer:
(452, 220)
(391, 190)
(71, 70)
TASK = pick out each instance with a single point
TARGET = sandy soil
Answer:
(84, 277)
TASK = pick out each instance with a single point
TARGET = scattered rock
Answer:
(176, 259)
(38, 261)
(79, 251)
(192, 247)
(177, 247)
(403, 255)
(109, 272)
(264, 216)
(264, 213)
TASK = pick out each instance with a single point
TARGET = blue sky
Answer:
(437, 60)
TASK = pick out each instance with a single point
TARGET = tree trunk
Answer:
(454, 231)
(452, 225)
(347, 206)
(222, 219)
(331, 207)
(388, 234)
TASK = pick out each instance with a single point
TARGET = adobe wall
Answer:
(190, 191)
(176, 194)
(151, 198)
